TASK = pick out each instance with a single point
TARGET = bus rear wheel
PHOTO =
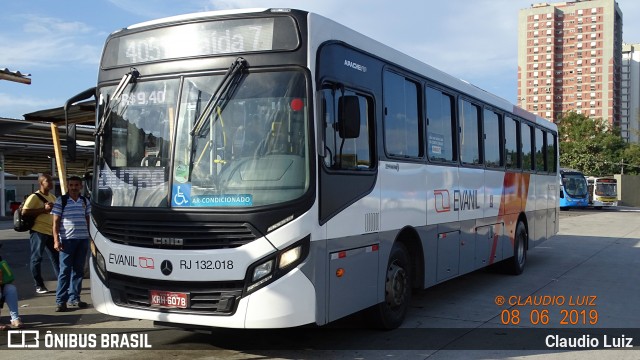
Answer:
(390, 313)
(515, 265)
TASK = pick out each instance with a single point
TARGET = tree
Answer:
(589, 145)
(631, 160)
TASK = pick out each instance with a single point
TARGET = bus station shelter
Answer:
(27, 146)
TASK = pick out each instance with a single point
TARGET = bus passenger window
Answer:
(540, 151)
(469, 133)
(402, 120)
(440, 126)
(527, 147)
(551, 152)
(493, 143)
(511, 136)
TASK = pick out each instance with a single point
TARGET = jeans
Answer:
(10, 295)
(40, 242)
(72, 259)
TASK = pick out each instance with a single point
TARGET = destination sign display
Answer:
(201, 39)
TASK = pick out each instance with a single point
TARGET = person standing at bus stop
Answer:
(9, 295)
(71, 239)
(40, 235)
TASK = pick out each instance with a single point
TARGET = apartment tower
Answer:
(630, 118)
(570, 59)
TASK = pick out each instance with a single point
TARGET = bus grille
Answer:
(178, 235)
(211, 297)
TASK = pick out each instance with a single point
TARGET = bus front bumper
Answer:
(605, 203)
(287, 302)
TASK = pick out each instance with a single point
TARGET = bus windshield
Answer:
(606, 189)
(252, 150)
(575, 185)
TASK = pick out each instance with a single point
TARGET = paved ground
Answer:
(595, 257)
(38, 310)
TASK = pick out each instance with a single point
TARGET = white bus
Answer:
(272, 168)
(603, 191)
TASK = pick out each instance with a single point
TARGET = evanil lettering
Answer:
(125, 260)
(465, 200)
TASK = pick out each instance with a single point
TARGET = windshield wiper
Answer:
(128, 78)
(221, 95)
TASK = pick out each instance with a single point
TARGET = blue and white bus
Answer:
(273, 168)
(573, 189)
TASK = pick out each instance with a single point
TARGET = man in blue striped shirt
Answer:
(71, 238)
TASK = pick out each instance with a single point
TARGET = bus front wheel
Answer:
(390, 313)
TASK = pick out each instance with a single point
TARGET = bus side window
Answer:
(403, 127)
(440, 126)
(527, 147)
(541, 165)
(469, 133)
(347, 153)
(493, 145)
(511, 137)
(551, 152)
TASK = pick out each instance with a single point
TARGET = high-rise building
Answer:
(570, 59)
(630, 108)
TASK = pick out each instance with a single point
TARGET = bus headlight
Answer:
(263, 270)
(289, 257)
(276, 265)
(99, 264)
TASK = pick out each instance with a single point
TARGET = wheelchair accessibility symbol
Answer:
(181, 195)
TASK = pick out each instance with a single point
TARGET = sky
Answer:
(60, 42)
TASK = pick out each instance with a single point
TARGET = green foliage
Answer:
(591, 146)
(631, 159)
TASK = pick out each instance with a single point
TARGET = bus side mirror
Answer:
(71, 142)
(349, 117)
(71, 128)
(88, 182)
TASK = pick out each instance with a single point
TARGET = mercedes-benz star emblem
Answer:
(166, 267)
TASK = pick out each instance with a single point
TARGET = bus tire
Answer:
(515, 265)
(390, 313)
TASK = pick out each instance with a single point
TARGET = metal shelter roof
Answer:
(80, 113)
(15, 76)
(28, 146)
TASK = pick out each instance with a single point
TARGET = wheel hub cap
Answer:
(395, 285)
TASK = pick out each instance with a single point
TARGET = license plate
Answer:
(169, 299)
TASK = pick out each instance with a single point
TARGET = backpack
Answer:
(25, 223)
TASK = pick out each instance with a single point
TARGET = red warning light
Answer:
(297, 104)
